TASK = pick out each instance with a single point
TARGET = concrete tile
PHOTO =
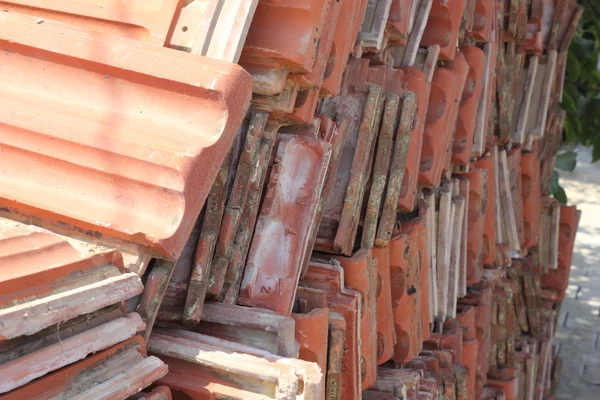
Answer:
(588, 294)
(593, 272)
(562, 318)
(571, 292)
(584, 281)
(585, 321)
(570, 389)
(586, 341)
(576, 355)
(577, 306)
(591, 375)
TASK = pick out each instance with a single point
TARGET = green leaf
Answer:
(566, 161)
(596, 151)
(561, 195)
(572, 67)
(572, 90)
(570, 105)
(588, 15)
(556, 190)
(582, 48)
(554, 186)
(570, 134)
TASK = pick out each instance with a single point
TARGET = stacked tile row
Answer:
(103, 143)
(359, 209)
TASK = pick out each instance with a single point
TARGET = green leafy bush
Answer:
(581, 96)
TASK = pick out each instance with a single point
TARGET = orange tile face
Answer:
(399, 21)
(134, 20)
(360, 275)
(470, 346)
(485, 13)
(283, 228)
(385, 319)
(347, 303)
(326, 51)
(444, 100)
(460, 69)
(348, 23)
(96, 182)
(488, 163)
(480, 297)
(508, 385)
(405, 299)
(450, 340)
(414, 81)
(312, 335)
(478, 183)
(558, 279)
(530, 182)
(469, 105)
(304, 21)
(434, 137)
(416, 229)
(442, 26)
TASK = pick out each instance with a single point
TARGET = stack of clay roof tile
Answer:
(361, 208)
(110, 142)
